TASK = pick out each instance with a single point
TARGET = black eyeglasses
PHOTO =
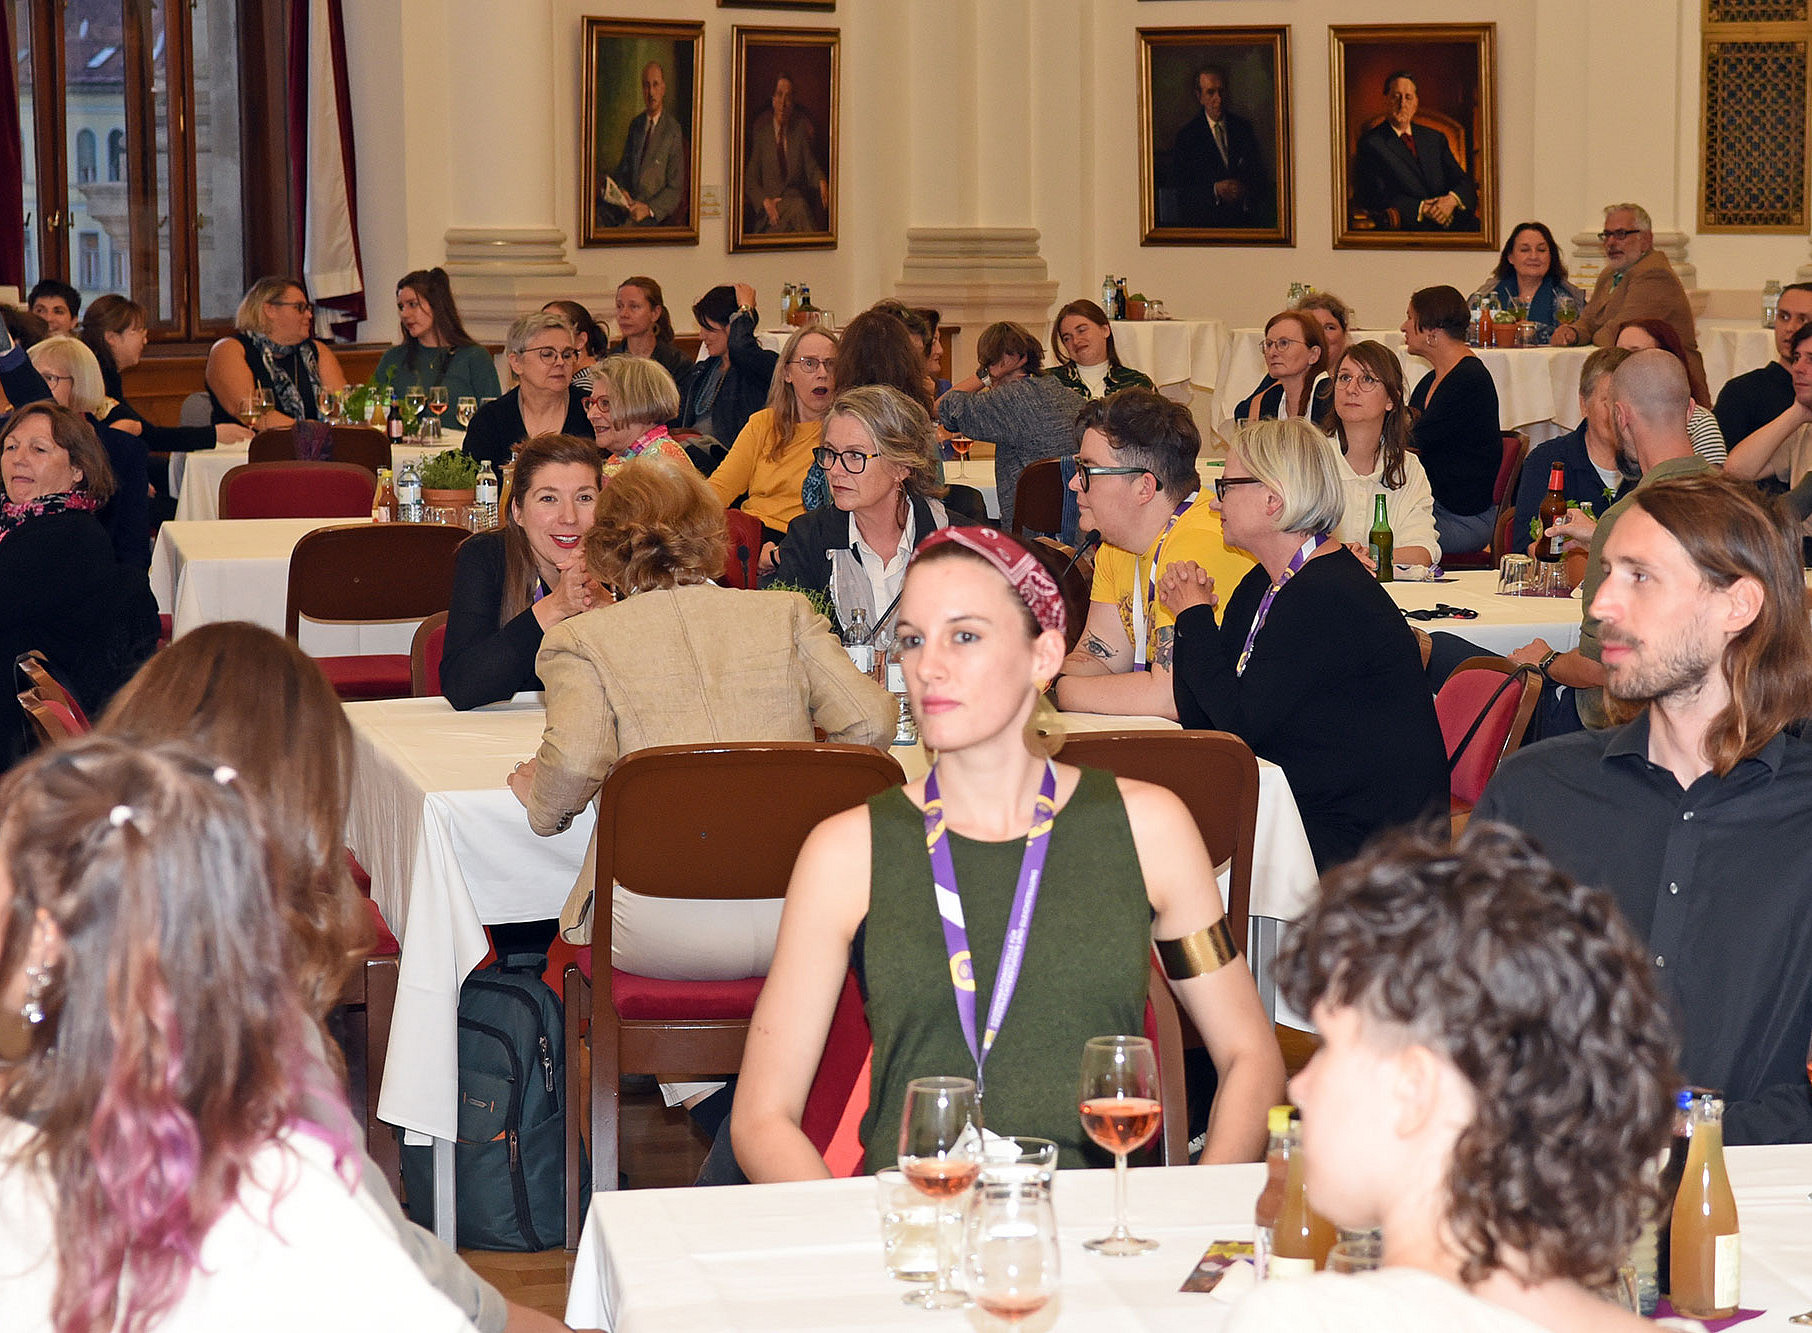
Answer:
(1085, 473)
(853, 462)
(1619, 233)
(1221, 485)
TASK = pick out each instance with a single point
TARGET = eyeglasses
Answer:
(52, 379)
(853, 462)
(300, 307)
(1364, 381)
(598, 402)
(1619, 233)
(1085, 473)
(1278, 344)
(549, 355)
(1223, 484)
(813, 364)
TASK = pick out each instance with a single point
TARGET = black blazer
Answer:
(497, 426)
(744, 390)
(1388, 175)
(482, 662)
(805, 560)
(1197, 167)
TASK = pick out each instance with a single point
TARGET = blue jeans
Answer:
(1072, 515)
(1464, 532)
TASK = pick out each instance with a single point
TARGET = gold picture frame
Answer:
(783, 167)
(1388, 194)
(659, 204)
(1215, 156)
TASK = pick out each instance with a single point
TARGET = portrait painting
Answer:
(1214, 136)
(638, 168)
(783, 155)
(1415, 136)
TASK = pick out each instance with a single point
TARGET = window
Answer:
(116, 155)
(88, 262)
(84, 156)
(117, 270)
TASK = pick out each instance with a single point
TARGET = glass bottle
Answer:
(906, 731)
(1301, 1237)
(1380, 544)
(803, 309)
(857, 642)
(1671, 1171)
(484, 494)
(383, 503)
(1771, 299)
(1706, 1254)
(1473, 306)
(1107, 296)
(1277, 1166)
(789, 296)
(409, 495)
(1553, 508)
(393, 419)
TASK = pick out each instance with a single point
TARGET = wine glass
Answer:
(256, 404)
(939, 1128)
(1120, 1111)
(437, 401)
(414, 400)
(463, 410)
(959, 445)
(1566, 310)
(1010, 1259)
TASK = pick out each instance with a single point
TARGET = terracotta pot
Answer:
(449, 499)
(1503, 335)
(1135, 309)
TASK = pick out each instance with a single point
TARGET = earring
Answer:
(32, 1011)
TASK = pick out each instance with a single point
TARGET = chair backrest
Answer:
(671, 825)
(1038, 498)
(967, 502)
(372, 571)
(1501, 535)
(197, 409)
(425, 652)
(1216, 776)
(33, 672)
(1078, 579)
(364, 445)
(1516, 448)
(50, 718)
(745, 549)
(297, 490)
(1463, 697)
(276, 445)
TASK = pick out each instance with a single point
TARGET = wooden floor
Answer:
(668, 1152)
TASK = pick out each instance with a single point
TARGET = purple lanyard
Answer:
(1142, 652)
(1297, 561)
(1019, 924)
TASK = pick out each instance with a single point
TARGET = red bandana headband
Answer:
(1016, 564)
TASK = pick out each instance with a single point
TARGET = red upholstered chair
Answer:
(297, 490)
(657, 837)
(33, 672)
(425, 654)
(1500, 696)
(51, 719)
(367, 447)
(371, 572)
(1503, 495)
(745, 549)
(1038, 498)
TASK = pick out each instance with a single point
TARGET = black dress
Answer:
(497, 427)
(1457, 435)
(482, 662)
(1334, 695)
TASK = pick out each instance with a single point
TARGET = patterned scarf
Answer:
(15, 515)
(285, 392)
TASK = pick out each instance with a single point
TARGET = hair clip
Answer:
(225, 774)
(119, 815)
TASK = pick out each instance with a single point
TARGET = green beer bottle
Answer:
(1380, 541)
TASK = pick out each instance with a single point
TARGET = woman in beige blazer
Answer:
(676, 660)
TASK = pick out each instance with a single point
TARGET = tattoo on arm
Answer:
(1093, 645)
(1166, 647)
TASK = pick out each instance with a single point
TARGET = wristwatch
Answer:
(1546, 662)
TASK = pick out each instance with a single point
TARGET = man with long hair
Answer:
(1696, 812)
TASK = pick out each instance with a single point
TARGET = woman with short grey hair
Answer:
(1311, 662)
(542, 357)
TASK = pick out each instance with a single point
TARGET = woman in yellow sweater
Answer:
(774, 451)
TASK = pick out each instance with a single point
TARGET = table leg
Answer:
(445, 1223)
(1263, 945)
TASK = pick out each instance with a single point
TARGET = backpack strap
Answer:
(1510, 679)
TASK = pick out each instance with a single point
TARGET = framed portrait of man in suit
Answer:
(638, 155)
(783, 143)
(1415, 136)
(1214, 136)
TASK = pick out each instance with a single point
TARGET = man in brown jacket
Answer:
(1638, 282)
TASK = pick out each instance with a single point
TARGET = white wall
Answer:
(1024, 112)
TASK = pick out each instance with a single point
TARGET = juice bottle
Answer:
(1301, 1237)
(1706, 1258)
(1277, 1166)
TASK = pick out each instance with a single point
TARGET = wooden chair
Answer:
(364, 445)
(1078, 580)
(369, 998)
(424, 656)
(1038, 498)
(745, 549)
(33, 671)
(297, 490)
(658, 837)
(1503, 495)
(965, 504)
(1497, 695)
(371, 572)
(51, 719)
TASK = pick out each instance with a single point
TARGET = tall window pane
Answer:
(94, 77)
(220, 279)
(28, 134)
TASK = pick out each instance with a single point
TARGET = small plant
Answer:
(361, 398)
(449, 470)
(818, 597)
(1503, 317)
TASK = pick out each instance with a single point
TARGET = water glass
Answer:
(1010, 1259)
(1357, 1252)
(909, 1222)
(1514, 575)
(1010, 1158)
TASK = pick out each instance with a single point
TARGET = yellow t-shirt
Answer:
(773, 484)
(1121, 576)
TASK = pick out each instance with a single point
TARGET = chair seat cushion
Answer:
(384, 944)
(639, 997)
(371, 676)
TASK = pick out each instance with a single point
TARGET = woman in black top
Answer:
(273, 348)
(1305, 634)
(542, 357)
(116, 330)
(511, 586)
(647, 330)
(1456, 433)
(73, 377)
(1296, 379)
(731, 384)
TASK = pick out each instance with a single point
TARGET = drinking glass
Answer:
(437, 401)
(960, 445)
(908, 1228)
(256, 404)
(1120, 1111)
(414, 400)
(463, 410)
(1566, 310)
(1010, 1248)
(940, 1125)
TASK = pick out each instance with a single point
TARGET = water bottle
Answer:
(1475, 307)
(485, 495)
(1771, 299)
(409, 495)
(856, 642)
(1108, 293)
(906, 730)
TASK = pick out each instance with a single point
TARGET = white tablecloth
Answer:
(238, 569)
(1504, 623)
(808, 1255)
(1733, 347)
(1174, 351)
(196, 476)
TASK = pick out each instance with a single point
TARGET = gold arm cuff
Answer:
(1197, 955)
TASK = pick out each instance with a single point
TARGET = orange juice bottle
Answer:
(1706, 1251)
(1301, 1238)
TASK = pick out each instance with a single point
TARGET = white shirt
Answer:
(1410, 507)
(886, 573)
(1094, 378)
(1390, 1300)
(298, 1252)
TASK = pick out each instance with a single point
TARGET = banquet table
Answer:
(238, 569)
(807, 1255)
(1504, 624)
(196, 476)
(1174, 351)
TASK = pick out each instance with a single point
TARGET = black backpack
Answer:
(509, 1163)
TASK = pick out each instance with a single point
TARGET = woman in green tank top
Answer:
(981, 626)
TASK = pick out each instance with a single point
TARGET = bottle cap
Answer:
(1278, 1121)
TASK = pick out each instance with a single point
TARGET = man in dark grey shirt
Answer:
(1697, 814)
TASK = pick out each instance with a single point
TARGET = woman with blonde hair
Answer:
(735, 665)
(632, 399)
(1306, 634)
(273, 348)
(542, 355)
(1081, 861)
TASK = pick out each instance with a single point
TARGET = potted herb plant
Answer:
(449, 479)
